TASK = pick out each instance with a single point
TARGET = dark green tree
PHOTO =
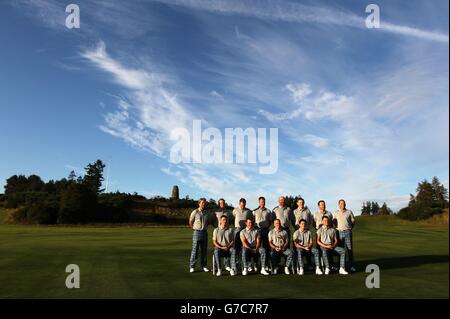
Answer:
(385, 210)
(440, 193)
(366, 209)
(375, 208)
(72, 176)
(94, 176)
(77, 203)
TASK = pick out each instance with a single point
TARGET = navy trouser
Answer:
(346, 240)
(288, 231)
(199, 243)
(276, 256)
(218, 253)
(247, 254)
(264, 232)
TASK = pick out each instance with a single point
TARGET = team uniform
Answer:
(251, 236)
(344, 220)
(327, 235)
(279, 239)
(218, 213)
(303, 213)
(319, 215)
(240, 216)
(304, 238)
(263, 219)
(224, 236)
(200, 220)
(286, 217)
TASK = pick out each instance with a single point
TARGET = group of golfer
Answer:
(254, 239)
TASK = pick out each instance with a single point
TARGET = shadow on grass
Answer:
(403, 262)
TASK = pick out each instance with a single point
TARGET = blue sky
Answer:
(362, 113)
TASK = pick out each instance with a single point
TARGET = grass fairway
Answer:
(143, 262)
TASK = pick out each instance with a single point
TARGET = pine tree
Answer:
(440, 193)
(94, 176)
(385, 210)
(72, 176)
(375, 208)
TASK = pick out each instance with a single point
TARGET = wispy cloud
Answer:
(324, 104)
(296, 12)
(145, 122)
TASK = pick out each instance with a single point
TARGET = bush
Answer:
(76, 205)
(114, 208)
(27, 198)
(419, 212)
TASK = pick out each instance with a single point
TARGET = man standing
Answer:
(285, 216)
(221, 211)
(216, 215)
(304, 244)
(199, 220)
(302, 212)
(223, 240)
(263, 219)
(279, 244)
(240, 215)
(345, 221)
(318, 216)
(251, 247)
(328, 242)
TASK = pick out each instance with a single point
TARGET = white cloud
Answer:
(316, 141)
(217, 95)
(296, 12)
(324, 105)
(299, 91)
(147, 120)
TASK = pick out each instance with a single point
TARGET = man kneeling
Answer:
(303, 242)
(279, 243)
(328, 242)
(251, 247)
(223, 240)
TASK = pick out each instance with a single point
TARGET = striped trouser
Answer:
(221, 253)
(346, 238)
(275, 256)
(327, 252)
(199, 242)
(247, 254)
(303, 253)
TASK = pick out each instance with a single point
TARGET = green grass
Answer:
(140, 262)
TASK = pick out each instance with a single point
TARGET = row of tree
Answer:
(71, 200)
(373, 209)
(81, 199)
(430, 199)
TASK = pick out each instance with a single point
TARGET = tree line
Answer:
(71, 200)
(373, 209)
(79, 200)
(431, 198)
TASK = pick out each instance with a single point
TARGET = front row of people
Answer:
(252, 248)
